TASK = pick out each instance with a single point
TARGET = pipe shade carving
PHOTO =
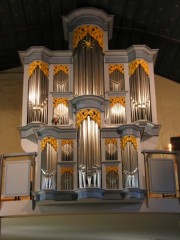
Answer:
(42, 65)
(92, 113)
(52, 141)
(83, 31)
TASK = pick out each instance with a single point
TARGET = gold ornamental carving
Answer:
(127, 139)
(111, 169)
(113, 67)
(57, 101)
(88, 43)
(66, 170)
(42, 65)
(134, 65)
(114, 100)
(64, 142)
(49, 140)
(92, 113)
(64, 68)
(111, 141)
(82, 31)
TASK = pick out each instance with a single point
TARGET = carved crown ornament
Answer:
(42, 65)
(113, 67)
(49, 140)
(134, 65)
(114, 100)
(63, 68)
(82, 31)
(127, 139)
(92, 113)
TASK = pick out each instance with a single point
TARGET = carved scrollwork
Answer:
(111, 141)
(111, 169)
(114, 100)
(64, 68)
(49, 140)
(64, 142)
(93, 31)
(127, 139)
(113, 67)
(66, 170)
(134, 64)
(92, 113)
(57, 101)
(42, 65)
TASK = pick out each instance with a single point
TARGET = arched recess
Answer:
(60, 111)
(67, 178)
(89, 151)
(48, 163)
(116, 77)
(112, 177)
(111, 152)
(38, 84)
(61, 78)
(88, 61)
(140, 91)
(117, 110)
(67, 150)
(129, 162)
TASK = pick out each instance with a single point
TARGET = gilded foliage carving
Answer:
(49, 140)
(64, 142)
(92, 113)
(111, 169)
(114, 100)
(134, 64)
(111, 141)
(42, 65)
(82, 31)
(64, 68)
(66, 170)
(57, 101)
(127, 139)
(113, 67)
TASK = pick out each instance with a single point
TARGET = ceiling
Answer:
(156, 23)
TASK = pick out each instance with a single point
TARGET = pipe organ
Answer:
(89, 111)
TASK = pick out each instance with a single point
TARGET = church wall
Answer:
(168, 109)
(10, 111)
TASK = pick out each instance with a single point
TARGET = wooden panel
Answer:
(161, 176)
(17, 178)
